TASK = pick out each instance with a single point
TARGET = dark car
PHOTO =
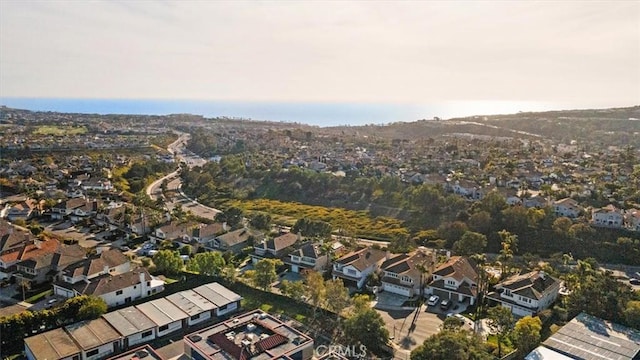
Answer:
(634, 281)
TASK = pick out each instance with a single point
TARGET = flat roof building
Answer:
(197, 307)
(588, 337)
(255, 335)
(167, 317)
(51, 345)
(145, 352)
(134, 326)
(96, 338)
(225, 300)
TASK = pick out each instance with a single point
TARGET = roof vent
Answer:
(195, 338)
(141, 354)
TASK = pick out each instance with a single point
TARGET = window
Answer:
(119, 292)
(148, 283)
(147, 333)
(195, 317)
(163, 328)
(92, 352)
(507, 292)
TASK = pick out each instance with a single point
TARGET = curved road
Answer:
(177, 148)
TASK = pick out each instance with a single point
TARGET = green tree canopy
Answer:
(208, 263)
(293, 289)
(451, 345)
(527, 334)
(265, 273)
(92, 308)
(500, 321)
(366, 327)
(470, 243)
(337, 295)
(168, 262)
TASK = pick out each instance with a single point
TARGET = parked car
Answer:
(433, 300)
(445, 304)
(634, 281)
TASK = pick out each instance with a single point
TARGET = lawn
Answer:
(39, 296)
(60, 130)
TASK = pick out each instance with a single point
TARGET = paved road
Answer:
(408, 333)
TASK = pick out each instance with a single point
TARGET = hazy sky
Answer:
(574, 52)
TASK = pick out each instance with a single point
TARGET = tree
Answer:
(316, 290)
(92, 308)
(228, 273)
(632, 314)
(25, 285)
(311, 228)
(293, 289)
(168, 262)
(232, 216)
(470, 243)
(527, 334)
(266, 273)
(452, 323)
(208, 263)
(500, 321)
(261, 221)
(452, 231)
(367, 328)
(509, 246)
(337, 296)
(451, 345)
(561, 226)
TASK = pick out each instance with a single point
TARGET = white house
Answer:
(307, 257)
(55, 344)
(608, 216)
(226, 301)
(567, 207)
(526, 294)
(455, 280)
(195, 305)
(113, 289)
(274, 248)
(406, 274)
(356, 266)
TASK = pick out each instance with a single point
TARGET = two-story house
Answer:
(608, 216)
(567, 207)
(173, 231)
(355, 267)
(308, 256)
(275, 248)
(65, 208)
(204, 233)
(23, 210)
(45, 265)
(234, 241)
(406, 274)
(526, 294)
(85, 211)
(28, 248)
(115, 289)
(537, 202)
(456, 280)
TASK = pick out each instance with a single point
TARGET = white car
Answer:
(433, 300)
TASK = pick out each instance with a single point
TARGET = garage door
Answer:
(397, 290)
(441, 293)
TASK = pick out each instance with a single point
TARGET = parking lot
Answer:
(410, 328)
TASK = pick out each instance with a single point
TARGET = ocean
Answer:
(319, 114)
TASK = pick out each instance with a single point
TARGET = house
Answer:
(65, 208)
(406, 274)
(526, 294)
(567, 207)
(275, 248)
(537, 202)
(96, 185)
(23, 210)
(144, 351)
(95, 338)
(355, 267)
(112, 262)
(55, 344)
(207, 232)
(590, 338)
(173, 231)
(12, 237)
(608, 216)
(134, 326)
(225, 300)
(252, 335)
(234, 241)
(193, 304)
(113, 289)
(44, 264)
(465, 188)
(167, 317)
(308, 256)
(455, 280)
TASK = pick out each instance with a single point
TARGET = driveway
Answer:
(410, 328)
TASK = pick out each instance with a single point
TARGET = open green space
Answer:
(60, 130)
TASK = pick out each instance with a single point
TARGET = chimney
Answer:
(542, 275)
(448, 254)
(105, 269)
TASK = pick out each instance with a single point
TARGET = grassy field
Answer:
(60, 130)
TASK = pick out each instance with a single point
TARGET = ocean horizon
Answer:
(311, 113)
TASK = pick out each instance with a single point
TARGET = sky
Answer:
(574, 53)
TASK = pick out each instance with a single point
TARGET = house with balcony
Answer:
(355, 267)
(275, 248)
(567, 207)
(308, 256)
(406, 274)
(456, 280)
(608, 216)
(526, 294)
